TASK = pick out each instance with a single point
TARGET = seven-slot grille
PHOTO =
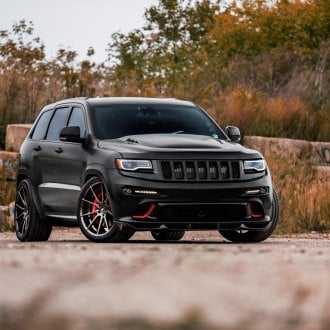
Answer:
(200, 170)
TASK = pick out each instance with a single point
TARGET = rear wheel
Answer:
(95, 214)
(28, 225)
(253, 236)
(167, 235)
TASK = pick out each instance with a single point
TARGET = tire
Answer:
(29, 226)
(167, 235)
(254, 236)
(95, 215)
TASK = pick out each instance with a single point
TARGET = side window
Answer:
(77, 119)
(57, 123)
(41, 127)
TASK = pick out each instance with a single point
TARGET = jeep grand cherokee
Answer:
(120, 165)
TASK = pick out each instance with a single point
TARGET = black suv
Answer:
(120, 165)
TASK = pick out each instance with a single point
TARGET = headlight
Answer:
(133, 164)
(251, 166)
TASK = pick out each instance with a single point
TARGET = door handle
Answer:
(38, 148)
(59, 150)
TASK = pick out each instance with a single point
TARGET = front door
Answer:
(61, 165)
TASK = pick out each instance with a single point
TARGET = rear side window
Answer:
(41, 127)
(77, 119)
(57, 123)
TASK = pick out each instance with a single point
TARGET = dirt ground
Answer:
(202, 282)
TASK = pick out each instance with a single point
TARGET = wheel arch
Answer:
(91, 173)
(20, 178)
(98, 170)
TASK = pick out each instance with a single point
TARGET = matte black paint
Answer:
(58, 170)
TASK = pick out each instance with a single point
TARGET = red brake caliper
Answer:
(94, 208)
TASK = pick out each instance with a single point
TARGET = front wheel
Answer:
(95, 214)
(29, 226)
(254, 236)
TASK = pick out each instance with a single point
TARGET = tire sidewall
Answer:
(31, 209)
(257, 236)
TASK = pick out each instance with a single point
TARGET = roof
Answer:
(135, 100)
(119, 100)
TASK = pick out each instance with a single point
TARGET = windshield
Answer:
(116, 121)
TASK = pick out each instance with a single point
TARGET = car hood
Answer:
(178, 145)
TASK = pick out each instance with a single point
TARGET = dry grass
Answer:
(7, 185)
(7, 195)
(256, 113)
(7, 192)
(304, 194)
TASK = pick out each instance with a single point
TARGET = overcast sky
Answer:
(75, 24)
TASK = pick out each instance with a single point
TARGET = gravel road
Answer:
(202, 282)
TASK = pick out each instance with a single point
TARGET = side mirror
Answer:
(71, 134)
(233, 133)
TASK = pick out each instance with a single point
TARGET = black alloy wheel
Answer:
(254, 236)
(29, 226)
(95, 214)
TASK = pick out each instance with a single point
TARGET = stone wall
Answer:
(314, 153)
(15, 136)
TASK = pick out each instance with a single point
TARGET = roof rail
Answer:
(76, 98)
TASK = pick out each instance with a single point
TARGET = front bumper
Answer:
(148, 205)
(153, 215)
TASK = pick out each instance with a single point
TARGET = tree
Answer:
(167, 50)
(21, 74)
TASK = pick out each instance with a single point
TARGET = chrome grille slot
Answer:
(224, 170)
(190, 170)
(201, 169)
(213, 170)
(235, 170)
(167, 170)
(178, 170)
